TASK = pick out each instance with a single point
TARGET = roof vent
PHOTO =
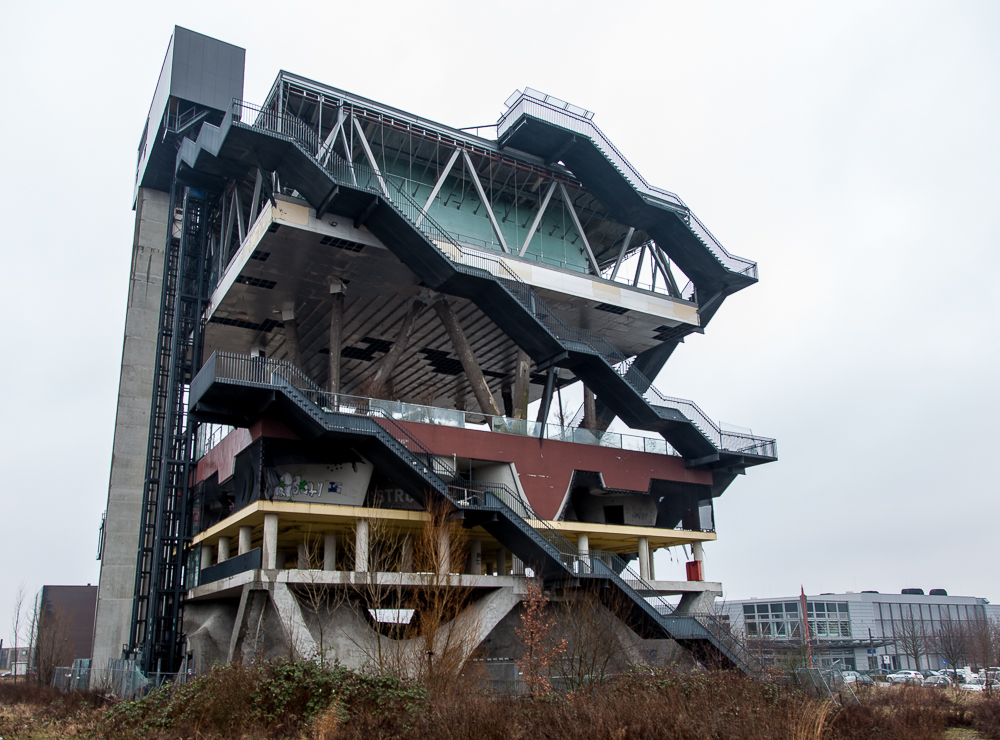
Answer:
(938, 592)
(912, 592)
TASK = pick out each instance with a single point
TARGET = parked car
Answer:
(974, 684)
(905, 677)
(938, 682)
(854, 677)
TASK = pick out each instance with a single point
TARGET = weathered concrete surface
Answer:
(128, 461)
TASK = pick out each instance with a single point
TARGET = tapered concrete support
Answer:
(475, 566)
(406, 557)
(644, 558)
(269, 556)
(589, 409)
(501, 562)
(361, 546)
(206, 556)
(516, 566)
(522, 377)
(223, 549)
(444, 551)
(383, 373)
(303, 557)
(292, 338)
(246, 537)
(583, 546)
(336, 334)
(698, 551)
(480, 389)
(330, 552)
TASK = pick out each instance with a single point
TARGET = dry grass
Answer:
(299, 700)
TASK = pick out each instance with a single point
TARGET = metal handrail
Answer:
(465, 493)
(474, 262)
(529, 105)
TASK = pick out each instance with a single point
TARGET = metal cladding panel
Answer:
(205, 70)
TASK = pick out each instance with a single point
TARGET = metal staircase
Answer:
(428, 478)
(290, 147)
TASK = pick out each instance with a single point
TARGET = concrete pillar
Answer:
(522, 376)
(475, 558)
(223, 549)
(336, 334)
(698, 551)
(380, 380)
(474, 373)
(501, 561)
(330, 552)
(406, 557)
(589, 409)
(292, 337)
(444, 551)
(583, 547)
(361, 546)
(269, 556)
(206, 556)
(303, 556)
(652, 564)
(644, 558)
(246, 536)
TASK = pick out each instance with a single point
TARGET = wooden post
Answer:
(380, 381)
(336, 333)
(522, 376)
(292, 338)
(473, 372)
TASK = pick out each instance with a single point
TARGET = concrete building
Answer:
(339, 313)
(859, 631)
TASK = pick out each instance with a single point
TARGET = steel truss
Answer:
(155, 639)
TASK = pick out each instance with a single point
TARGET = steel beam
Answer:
(621, 254)
(579, 228)
(437, 186)
(482, 196)
(538, 217)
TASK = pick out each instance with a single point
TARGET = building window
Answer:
(828, 619)
(780, 620)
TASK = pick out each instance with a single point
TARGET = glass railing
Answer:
(209, 435)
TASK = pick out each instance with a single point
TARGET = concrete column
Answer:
(292, 337)
(589, 409)
(475, 558)
(361, 546)
(501, 561)
(336, 334)
(406, 558)
(246, 536)
(522, 375)
(583, 546)
(223, 549)
(444, 551)
(206, 556)
(380, 380)
(474, 373)
(652, 564)
(698, 551)
(644, 558)
(330, 552)
(269, 556)
(303, 556)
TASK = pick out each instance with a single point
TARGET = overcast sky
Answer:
(849, 147)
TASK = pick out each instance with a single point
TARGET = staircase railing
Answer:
(538, 108)
(474, 261)
(468, 494)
